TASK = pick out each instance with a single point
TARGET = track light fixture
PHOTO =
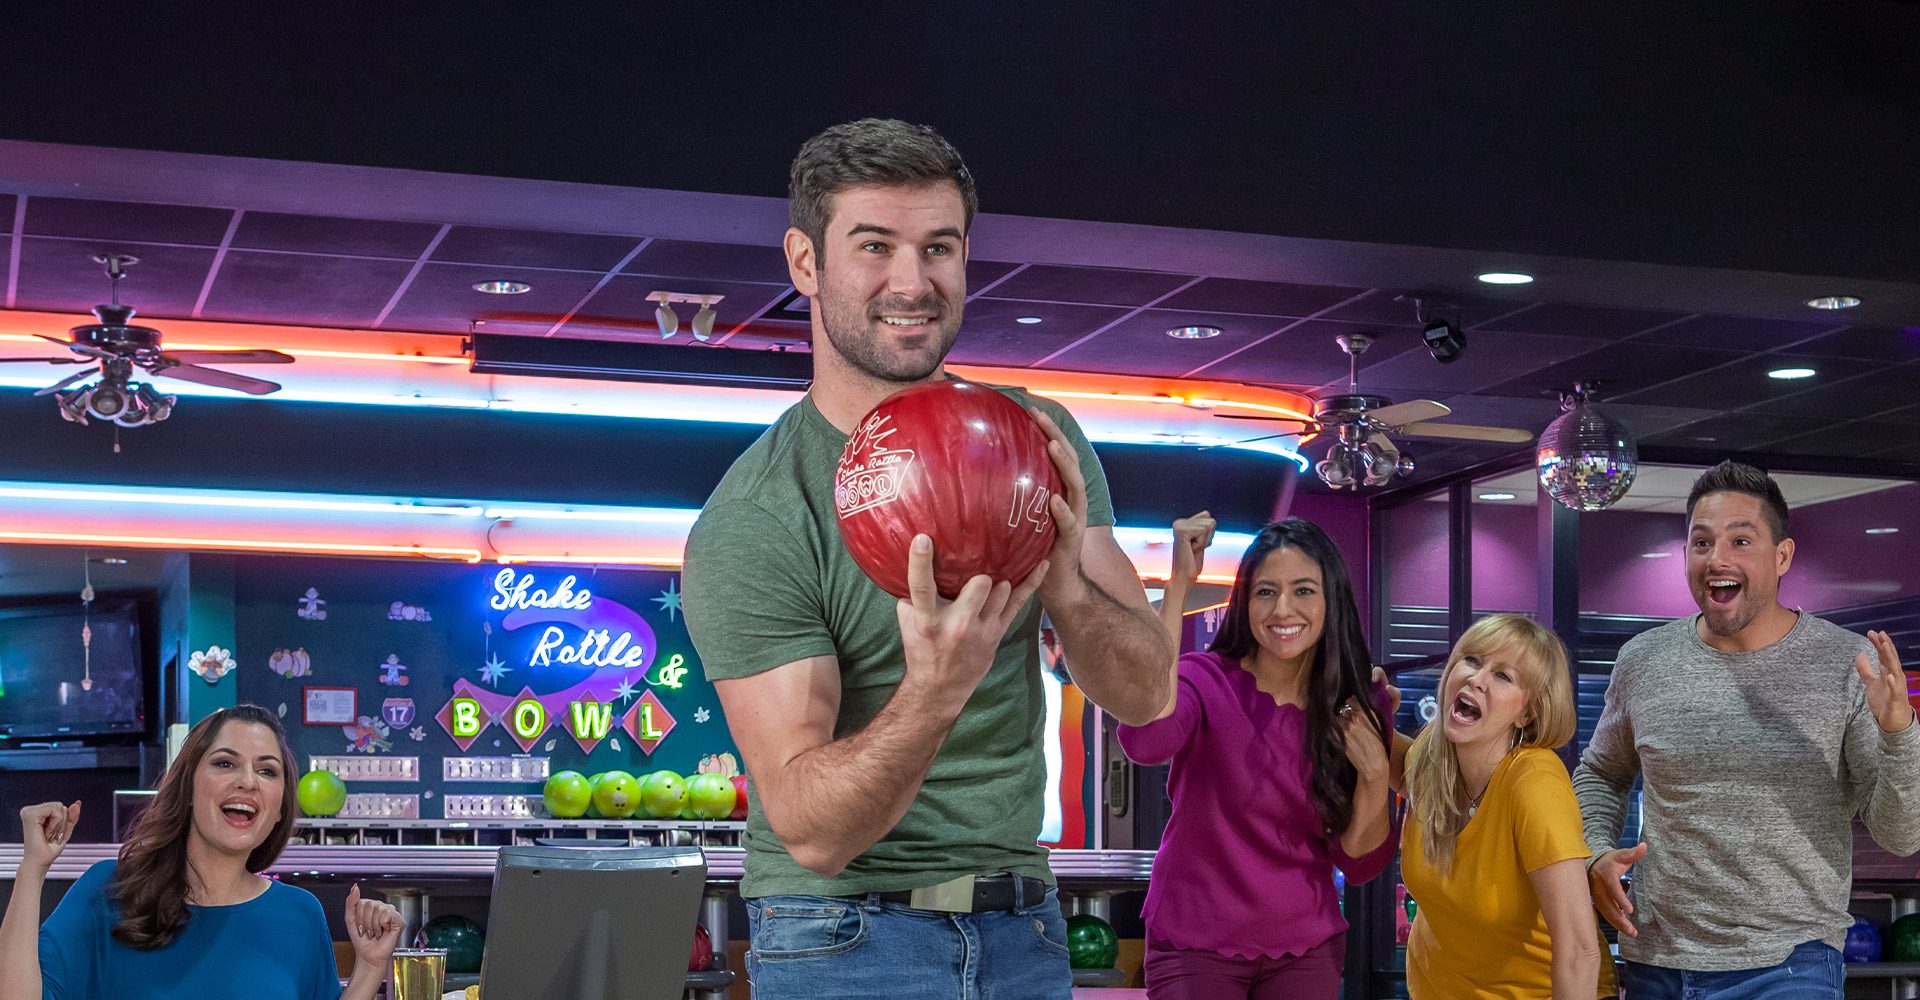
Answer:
(703, 321)
(669, 321)
(1443, 336)
(116, 401)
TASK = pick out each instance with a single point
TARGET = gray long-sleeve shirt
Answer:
(1753, 766)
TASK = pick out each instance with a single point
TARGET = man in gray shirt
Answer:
(1758, 733)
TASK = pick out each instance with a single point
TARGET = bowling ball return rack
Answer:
(409, 861)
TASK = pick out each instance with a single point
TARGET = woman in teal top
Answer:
(184, 913)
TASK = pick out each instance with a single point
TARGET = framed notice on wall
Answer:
(329, 706)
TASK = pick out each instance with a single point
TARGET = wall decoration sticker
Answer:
(329, 706)
(367, 735)
(398, 712)
(211, 663)
(401, 611)
(312, 607)
(290, 662)
(669, 600)
(393, 673)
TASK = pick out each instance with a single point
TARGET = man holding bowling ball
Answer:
(1758, 733)
(895, 744)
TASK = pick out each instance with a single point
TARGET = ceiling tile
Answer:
(122, 220)
(1264, 298)
(1392, 308)
(325, 234)
(1305, 354)
(303, 288)
(1490, 358)
(61, 276)
(1567, 319)
(1729, 432)
(992, 335)
(534, 248)
(441, 299)
(1139, 345)
(1618, 369)
(7, 205)
(713, 261)
(981, 274)
(1877, 391)
(622, 306)
(1869, 343)
(1092, 285)
(1742, 383)
(1846, 439)
(1738, 333)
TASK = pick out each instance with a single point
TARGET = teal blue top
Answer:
(274, 947)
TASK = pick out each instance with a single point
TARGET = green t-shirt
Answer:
(768, 582)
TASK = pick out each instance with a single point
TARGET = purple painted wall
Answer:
(1836, 563)
(1344, 519)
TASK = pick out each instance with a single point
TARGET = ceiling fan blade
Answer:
(1235, 444)
(1465, 432)
(215, 377)
(1410, 412)
(50, 361)
(235, 357)
(87, 349)
(63, 383)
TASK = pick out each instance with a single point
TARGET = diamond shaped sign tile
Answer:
(648, 722)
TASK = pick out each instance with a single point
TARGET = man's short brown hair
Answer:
(877, 151)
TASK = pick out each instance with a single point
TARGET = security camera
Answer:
(1445, 340)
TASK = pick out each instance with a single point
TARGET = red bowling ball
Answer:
(958, 462)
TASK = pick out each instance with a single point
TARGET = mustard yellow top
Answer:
(1479, 931)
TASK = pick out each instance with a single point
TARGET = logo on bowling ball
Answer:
(960, 462)
(870, 473)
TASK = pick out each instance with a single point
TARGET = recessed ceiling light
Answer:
(1883, 531)
(1655, 555)
(1496, 496)
(1834, 302)
(1028, 320)
(1193, 332)
(1506, 278)
(502, 287)
(1789, 374)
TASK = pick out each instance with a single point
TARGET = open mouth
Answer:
(1723, 592)
(1464, 711)
(240, 814)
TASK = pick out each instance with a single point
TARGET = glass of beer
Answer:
(417, 974)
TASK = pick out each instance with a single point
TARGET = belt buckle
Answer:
(955, 895)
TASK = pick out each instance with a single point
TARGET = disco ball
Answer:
(1586, 459)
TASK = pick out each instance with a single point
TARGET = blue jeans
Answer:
(1811, 972)
(830, 947)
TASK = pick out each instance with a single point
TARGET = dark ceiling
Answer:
(1777, 136)
(1681, 177)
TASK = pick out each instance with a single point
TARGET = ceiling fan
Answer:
(1362, 454)
(119, 347)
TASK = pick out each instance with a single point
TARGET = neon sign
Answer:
(671, 674)
(513, 591)
(595, 649)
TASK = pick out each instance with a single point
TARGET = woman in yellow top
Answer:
(1492, 851)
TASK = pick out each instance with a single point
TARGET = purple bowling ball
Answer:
(1863, 941)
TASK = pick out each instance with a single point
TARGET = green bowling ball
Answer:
(710, 795)
(1091, 942)
(1903, 939)
(321, 793)
(616, 795)
(567, 794)
(462, 939)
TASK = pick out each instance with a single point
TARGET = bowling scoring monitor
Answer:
(595, 923)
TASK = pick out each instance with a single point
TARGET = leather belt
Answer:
(969, 894)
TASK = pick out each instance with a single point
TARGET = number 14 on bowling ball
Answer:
(958, 462)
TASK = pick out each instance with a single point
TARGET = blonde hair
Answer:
(1438, 794)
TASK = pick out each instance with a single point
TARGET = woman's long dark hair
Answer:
(151, 884)
(1341, 667)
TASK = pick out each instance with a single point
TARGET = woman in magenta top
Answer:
(1280, 742)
